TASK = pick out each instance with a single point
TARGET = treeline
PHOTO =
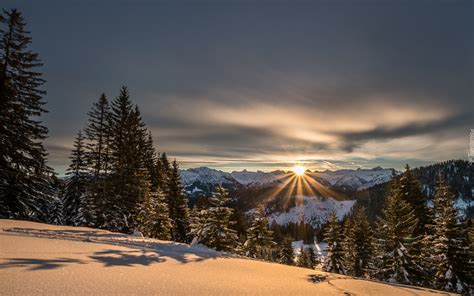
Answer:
(410, 243)
(118, 181)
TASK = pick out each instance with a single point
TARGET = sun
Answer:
(299, 170)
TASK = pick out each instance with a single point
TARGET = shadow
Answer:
(110, 258)
(39, 264)
(317, 278)
(144, 251)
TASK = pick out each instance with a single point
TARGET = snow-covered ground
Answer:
(314, 210)
(40, 259)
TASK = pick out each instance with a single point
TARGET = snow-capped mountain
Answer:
(357, 179)
(313, 210)
(343, 180)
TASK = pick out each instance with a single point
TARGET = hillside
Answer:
(59, 260)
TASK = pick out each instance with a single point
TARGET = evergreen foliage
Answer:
(76, 208)
(394, 237)
(177, 203)
(357, 245)
(334, 258)
(24, 175)
(259, 241)
(450, 257)
(212, 228)
(287, 254)
(410, 191)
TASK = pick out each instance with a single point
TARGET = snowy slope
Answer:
(313, 210)
(40, 259)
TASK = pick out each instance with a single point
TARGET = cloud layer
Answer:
(263, 85)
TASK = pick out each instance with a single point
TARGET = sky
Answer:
(261, 85)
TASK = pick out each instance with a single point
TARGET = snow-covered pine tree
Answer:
(451, 262)
(286, 254)
(78, 209)
(357, 245)
(302, 260)
(24, 175)
(97, 133)
(177, 204)
(394, 237)
(213, 228)
(410, 191)
(332, 236)
(153, 219)
(313, 260)
(259, 241)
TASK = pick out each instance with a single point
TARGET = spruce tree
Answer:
(177, 203)
(162, 171)
(153, 219)
(394, 261)
(259, 241)
(213, 228)
(358, 245)
(24, 175)
(451, 262)
(313, 260)
(332, 236)
(129, 180)
(97, 132)
(302, 260)
(286, 254)
(410, 191)
(77, 209)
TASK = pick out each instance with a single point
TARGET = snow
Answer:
(40, 259)
(258, 178)
(357, 179)
(314, 210)
(205, 175)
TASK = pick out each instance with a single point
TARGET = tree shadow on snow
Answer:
(143, 251)
(39, 264)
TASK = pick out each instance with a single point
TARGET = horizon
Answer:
(264, 87)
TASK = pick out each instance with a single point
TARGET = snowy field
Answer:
(40, 259)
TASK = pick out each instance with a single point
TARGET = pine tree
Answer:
(129, 180)
(162, 171)
(453, 269)
(410, 191)
(357, 245)
(259, 237)
(302, 260)
(77, 209)
(97, 132)
(394, 237)
(154, 218)
(177, 203)
(24, 175)
(287, 254)
(213, 229)
(332, 236)
(313, 260)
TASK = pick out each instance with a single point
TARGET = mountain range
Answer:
(311, 198)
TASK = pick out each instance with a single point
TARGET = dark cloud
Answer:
(457, 124)
(330, 60)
